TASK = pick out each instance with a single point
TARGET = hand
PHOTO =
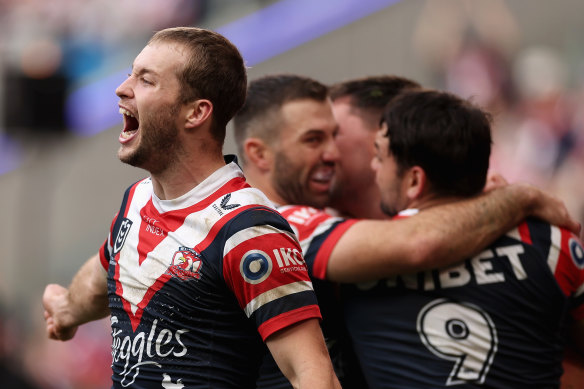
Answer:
(494, 180)
(551, 209)
(56, 304)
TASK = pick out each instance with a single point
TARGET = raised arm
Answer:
(440, 235)
(301, 354)
(84, 301)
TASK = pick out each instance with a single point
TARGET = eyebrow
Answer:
(144, 71)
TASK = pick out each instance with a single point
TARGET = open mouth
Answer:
(131, 125)
(322, 177)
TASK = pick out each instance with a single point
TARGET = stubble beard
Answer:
(288, 183)
(159, 143)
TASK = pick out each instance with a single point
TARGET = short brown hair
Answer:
(260, 114)
(371, 94)
(215, 71)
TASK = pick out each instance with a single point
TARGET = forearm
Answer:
(302, 356)
(88, 293)
(438, 236)
(457, 230)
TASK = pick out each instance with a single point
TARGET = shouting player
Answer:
(191, 271)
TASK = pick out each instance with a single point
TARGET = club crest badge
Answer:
(186, 264)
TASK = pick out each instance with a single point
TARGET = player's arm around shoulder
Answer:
(85, 300)
(301, 354)
(440, 235)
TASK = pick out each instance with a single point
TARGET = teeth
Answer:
(124, 111)
(323, 175)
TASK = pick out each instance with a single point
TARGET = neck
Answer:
(187, 171)
(431, 201)
(361, 204)
(261, 181)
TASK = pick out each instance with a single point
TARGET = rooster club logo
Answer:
(186, 264)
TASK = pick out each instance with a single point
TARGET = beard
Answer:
(390, 211)
(158, 143)
(289, 184)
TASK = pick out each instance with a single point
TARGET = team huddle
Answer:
(357, 241)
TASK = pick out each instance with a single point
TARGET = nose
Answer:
(125, 89)
(331, 151)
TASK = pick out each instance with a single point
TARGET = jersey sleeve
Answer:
(106, 248)
(567, 254)
(318, 233)
(264, 267)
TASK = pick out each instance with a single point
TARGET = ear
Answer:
(198, 112)
(416, 182)
(258, 153)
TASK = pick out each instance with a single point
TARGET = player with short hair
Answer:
(357, 106)
(286, 143)
(191, 273)
(496, 320)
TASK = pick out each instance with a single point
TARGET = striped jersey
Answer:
(496, 320)
(318, 233)
(196, 283)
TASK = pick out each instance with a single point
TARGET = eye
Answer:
(146, 81)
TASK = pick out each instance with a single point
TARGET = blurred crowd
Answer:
(534, 94)
(538, 130)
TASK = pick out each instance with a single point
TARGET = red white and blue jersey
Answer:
(318, 233)
(195, 284)
(496, 320)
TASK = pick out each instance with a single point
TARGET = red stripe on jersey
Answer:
(305, 219)
(219, 224)
(569, 276)
(324, 252)
(156, 226)
(286, 319)
(104, 247)
(283, 271)
(102, 258)
(130, 198)
(524, 233)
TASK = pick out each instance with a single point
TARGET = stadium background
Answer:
(60, 60)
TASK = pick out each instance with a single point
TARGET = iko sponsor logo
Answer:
(139, 350)
(122, 235)
(289, 259)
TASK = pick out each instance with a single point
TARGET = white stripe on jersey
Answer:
(322, 227)
(252, 232)
(579, 291)
(554, 254)
(514, 234)
(276, 293)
